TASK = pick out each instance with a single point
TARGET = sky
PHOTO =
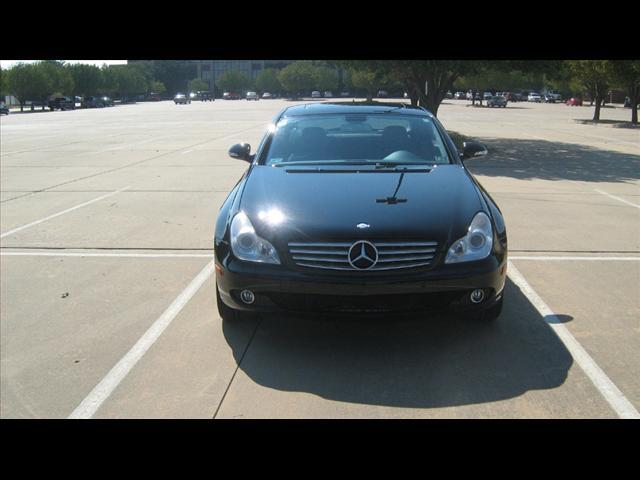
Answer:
(9, 63)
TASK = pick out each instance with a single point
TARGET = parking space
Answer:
(108, 299)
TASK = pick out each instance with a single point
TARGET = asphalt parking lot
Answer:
(107, 297)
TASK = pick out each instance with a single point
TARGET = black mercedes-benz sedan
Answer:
(359, 208)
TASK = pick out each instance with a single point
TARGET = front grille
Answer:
(335, 255)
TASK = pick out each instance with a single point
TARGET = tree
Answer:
(175, 74)
(595, 76)
(367, 80)
(59, 79)
(626, 74)
(158, 87)
(233, 80)
(267, 81)
(26, 82)
(326, 78)
(87, 79)
(109, 84)
(131, 81)
(198, 85)
(298, 77)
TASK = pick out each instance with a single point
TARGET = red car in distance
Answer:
(574, 102)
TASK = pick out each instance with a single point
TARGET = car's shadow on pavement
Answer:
(418, 362)
(540, 159)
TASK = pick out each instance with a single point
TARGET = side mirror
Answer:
(472, 150)
(241, 151)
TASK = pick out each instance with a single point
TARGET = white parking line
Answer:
(187, 151)
(611, 393)
(113, 255)
(617, 198)
(603, 259)
(18, 229)
(108, 384)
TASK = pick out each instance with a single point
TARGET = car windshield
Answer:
(356, 139)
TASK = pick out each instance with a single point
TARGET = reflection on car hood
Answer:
(328, 206)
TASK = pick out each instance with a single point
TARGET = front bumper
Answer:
(278, 288)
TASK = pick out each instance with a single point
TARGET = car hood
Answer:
(285, 204)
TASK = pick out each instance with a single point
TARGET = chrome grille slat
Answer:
(321, 259)
(405, 259)
(391, 255)
(400, 252)
(340, 244)
(319, 252)
(326, 267)
(405, 244)
(396, 267)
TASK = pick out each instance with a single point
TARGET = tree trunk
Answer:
(596, 113)
(634, 109)
(21, 107)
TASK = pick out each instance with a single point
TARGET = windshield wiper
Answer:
(402, 166)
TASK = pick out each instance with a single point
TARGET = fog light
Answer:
(247, 296)
(477, 295)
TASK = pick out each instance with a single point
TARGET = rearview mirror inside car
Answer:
(241, 151)
(472, 150)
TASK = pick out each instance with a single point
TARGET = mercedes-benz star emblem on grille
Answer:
(363, 225)
(363, 255)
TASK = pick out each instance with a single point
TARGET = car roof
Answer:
(329, 108)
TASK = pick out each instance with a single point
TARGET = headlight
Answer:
(476, 244)
(247, 245)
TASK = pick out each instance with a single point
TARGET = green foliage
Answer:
(267, 81)
(59, 78)
(87, 79)
(233, 81)
(298, 77)
(365, 80)
(26, 81)
(198, 85)
(326, 78)
(157, 87)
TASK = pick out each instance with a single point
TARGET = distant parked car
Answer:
(206, 96)
(511, 97)
(92, 102)
(252, 96)
(193, 96)
(487, 95)
(4, 110)
(534, 97)
(328, 94)
(497, 101)
(574, 102)
(267, 95)
(345, 94)
(382, 94)
(182, 99)
(449, 95)
(230, 96)
(154, 97)
(460, 96)
(316, 94)
(107, 101)
(469, 95)
(61, 103)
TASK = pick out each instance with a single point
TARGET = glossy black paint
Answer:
(439, 203)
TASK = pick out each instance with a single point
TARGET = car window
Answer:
(359, 138)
